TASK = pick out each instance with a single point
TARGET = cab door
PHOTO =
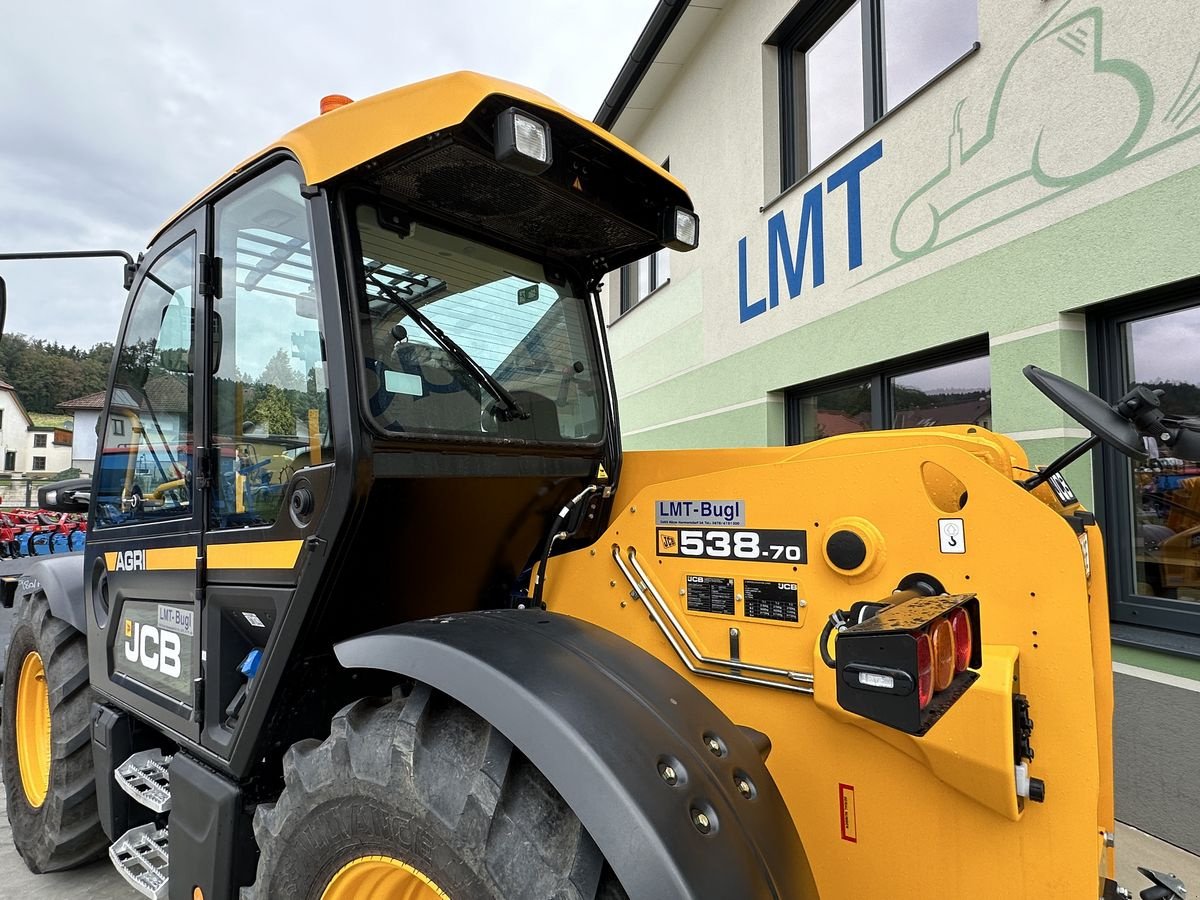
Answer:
(143, 551)
(271, 450)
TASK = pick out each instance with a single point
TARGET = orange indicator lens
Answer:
(943, 654)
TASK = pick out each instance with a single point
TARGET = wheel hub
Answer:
(33, 730)
(381, 878)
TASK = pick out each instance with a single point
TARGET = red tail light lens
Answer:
(962, 638)
(943, 653)
(924, 670)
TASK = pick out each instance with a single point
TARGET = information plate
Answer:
(710, 595)
(774, 600)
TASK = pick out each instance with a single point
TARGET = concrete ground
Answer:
(99, 881)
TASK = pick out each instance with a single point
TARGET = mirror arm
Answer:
(1182, 436)
(130, 264)
(1044, 475)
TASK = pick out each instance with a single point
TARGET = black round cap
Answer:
(846, 550)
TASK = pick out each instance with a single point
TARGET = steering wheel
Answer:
(1088, 410)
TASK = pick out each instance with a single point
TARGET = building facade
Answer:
(31, 445)
(904, 203)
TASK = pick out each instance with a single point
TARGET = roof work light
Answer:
(908, 664)
(523, 142)
(680, 229)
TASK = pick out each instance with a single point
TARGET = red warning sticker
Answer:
(846, 802)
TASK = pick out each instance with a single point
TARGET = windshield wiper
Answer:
(512, 409)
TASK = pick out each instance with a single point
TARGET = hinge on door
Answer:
(210, 276)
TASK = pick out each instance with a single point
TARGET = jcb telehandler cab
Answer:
(372, 605)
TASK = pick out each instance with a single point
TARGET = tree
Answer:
(274, 412)
(279, 372)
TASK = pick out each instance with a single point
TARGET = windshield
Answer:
(461, 338)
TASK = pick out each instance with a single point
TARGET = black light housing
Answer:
(886, 666)
(522, 142)
(679, 228)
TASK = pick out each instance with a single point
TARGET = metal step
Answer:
(145, 778)
(140, 855)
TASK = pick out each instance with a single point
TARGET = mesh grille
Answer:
(459, 182)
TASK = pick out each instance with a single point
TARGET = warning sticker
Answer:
(775, 600)
(849, 820)
(710, 595)
(952, 536)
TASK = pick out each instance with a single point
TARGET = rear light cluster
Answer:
(943, 651)
(909, 663)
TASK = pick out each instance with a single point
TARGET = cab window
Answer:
(144, 471)
(270, 399)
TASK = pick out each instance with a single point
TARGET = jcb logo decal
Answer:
(130, 561)
(668, 542)
(155, 648)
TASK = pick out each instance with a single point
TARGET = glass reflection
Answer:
(1166, 488)
(839, 411)
(834, 83)
(958, 393)
(921, 38)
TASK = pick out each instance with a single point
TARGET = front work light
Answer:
(680, 229)
(523, 142)
(901, 666)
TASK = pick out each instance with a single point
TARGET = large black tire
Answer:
(64, 830)
(423, 780)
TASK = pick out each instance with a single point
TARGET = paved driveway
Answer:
(97, 881)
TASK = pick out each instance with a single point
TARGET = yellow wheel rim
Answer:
(381, 878)
(33, 730)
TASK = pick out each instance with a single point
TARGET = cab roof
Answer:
(346, 137)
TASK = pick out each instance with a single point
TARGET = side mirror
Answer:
(71, 496)
(3, 304)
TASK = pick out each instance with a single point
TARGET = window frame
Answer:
(39, 440)
(38, 464)
(800, 31)
(1108, 365)
(879, 376)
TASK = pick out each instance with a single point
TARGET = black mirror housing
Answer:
(71, 496)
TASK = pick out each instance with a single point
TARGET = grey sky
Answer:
(115, 115)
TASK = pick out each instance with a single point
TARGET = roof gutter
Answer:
(662, 22)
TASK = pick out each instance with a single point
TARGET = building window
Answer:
(1150, 508)
(118, 426)
(642, 278)
(39, 440)
(844, 65)
(39, 464)
(951, 386)
(10, 461)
